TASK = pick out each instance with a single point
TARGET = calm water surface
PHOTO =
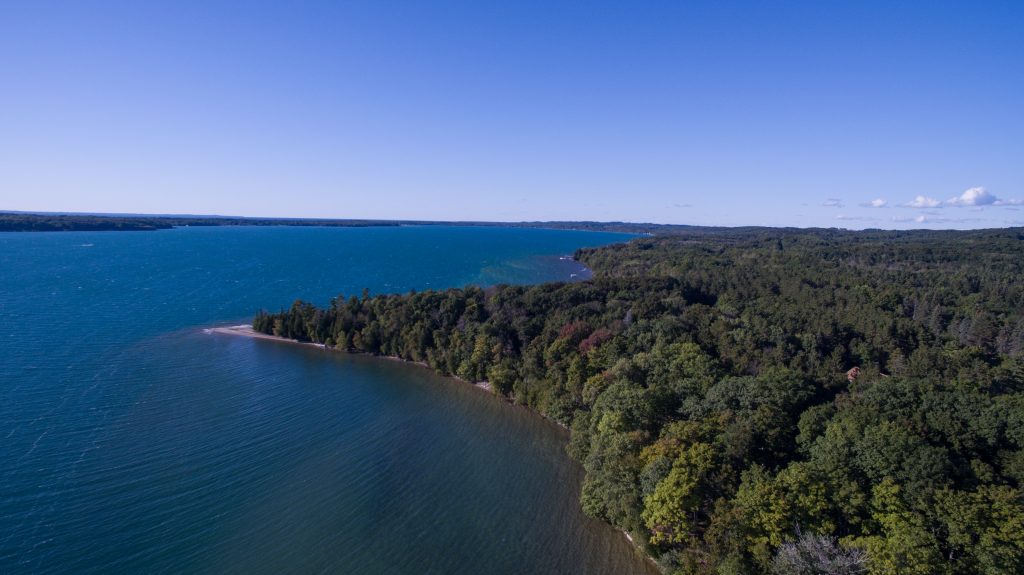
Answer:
(133, 442)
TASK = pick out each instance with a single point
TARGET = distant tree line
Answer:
(708, 379)
(27, 222)
(47, 223)
(20, 222)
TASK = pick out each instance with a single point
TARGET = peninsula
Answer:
(742, 398)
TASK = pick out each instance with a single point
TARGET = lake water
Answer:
(133, 442)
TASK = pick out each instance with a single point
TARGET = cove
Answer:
(135, 442)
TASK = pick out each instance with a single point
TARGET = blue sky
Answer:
(719, 113)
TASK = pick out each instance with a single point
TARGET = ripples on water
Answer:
(134, 442)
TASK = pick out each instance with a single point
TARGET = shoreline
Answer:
(246, 330)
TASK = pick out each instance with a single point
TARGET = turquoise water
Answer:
(133, 442)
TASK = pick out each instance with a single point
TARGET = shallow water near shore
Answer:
(135, 442)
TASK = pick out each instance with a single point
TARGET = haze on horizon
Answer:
(867, 114)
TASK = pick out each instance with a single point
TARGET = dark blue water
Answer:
(133, 442)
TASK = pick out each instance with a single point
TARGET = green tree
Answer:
(671, 511)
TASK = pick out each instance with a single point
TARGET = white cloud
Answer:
(978, 196)
(923, 202)
(833, 203)
(974, 197)
(876, 203)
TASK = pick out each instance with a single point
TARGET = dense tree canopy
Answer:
(707, 377)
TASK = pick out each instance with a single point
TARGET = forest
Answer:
(757, 400)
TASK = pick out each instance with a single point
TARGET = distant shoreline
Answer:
(42, 222)
(246, 330)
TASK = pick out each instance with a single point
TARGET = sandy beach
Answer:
(248, 331)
